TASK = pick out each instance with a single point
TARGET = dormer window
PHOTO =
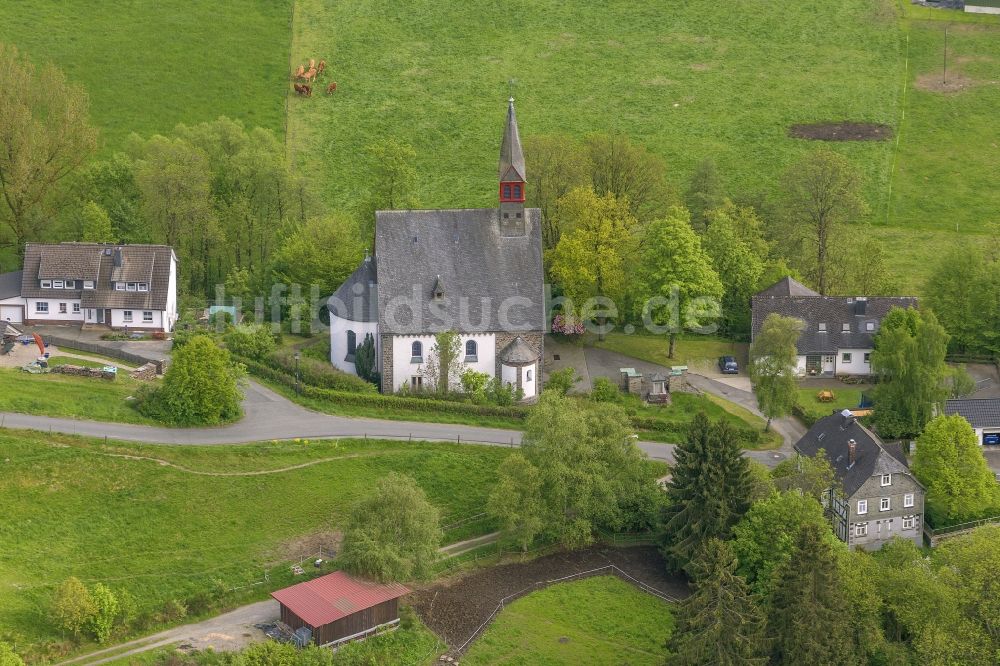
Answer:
(57, 284)
(88, 284)
(46, 284)
(130, 286)
(438, 289)
(119, 286)
(887, 479)
(821, 327)
(143, 286)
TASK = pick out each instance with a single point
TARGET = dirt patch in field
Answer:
(842, 131)
(955, 83)
(322, 544)
(455, 609)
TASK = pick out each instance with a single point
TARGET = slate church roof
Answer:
(872, 457)
(464, 250)
(357, 298)
(790, 298)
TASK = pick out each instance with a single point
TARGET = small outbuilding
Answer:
(338, 607)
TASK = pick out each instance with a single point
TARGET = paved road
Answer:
(272, 416)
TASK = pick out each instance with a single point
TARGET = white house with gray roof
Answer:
(876, 497)
(93, 284)
(838, 332)
(475, 271)
(983, 414)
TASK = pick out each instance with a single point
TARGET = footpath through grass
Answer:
(150, 65)
(163, 533)
(601, 620)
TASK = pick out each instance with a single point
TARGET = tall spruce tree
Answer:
(810, 620)
(721, 622)
(708, 491)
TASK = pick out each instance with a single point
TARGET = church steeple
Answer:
(512, 177)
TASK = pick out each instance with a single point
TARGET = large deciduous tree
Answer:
(675, 270)
(950, 463)
(72, 608)
(589, 475)
(707, 493)
(913, 377)
(392, 534)
(822, 191)
(45, 134)
(721, 622)
(773, 360)
(963, 290)
(740, 267)
(630, 173)
(96, 225)
(704, 193)
(598, 240)
(559, 165)
(322, 252)
(392, 181)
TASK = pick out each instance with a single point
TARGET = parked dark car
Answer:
(728, 365)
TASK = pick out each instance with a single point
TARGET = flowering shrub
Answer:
(567, 324)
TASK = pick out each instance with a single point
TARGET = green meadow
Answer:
(172, 522)
(601, 620)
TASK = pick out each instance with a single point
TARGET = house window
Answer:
(62, 308)
(471, 351)
(46, 284)
(868, 358)
(416, 382)
(88, 284)
(76, 308)
(71, 284)
(885, 504)
(119, 286)
(846, 328)
(127, 316)
(130, 286)
(147, 316)
(821, 327)
(869, 326)
(887, 479)
(143, 286)
(907, 522)
(845, 357)
(861, 529)
(417, 352)
(41, 307)
(908, 500)
(829, 359)
(57, 284)
(352, 343)
(862, 507)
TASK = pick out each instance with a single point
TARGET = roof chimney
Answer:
(852, 453)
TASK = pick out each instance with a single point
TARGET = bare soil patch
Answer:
(324, 543)
(956, 83)
(455, 608)
(841, 131)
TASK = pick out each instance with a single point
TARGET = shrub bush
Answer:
(316, 372)
(250, 340)
(605, 390)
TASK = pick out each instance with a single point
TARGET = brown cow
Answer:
(303, 89)
(331, 88)
(299, 72)
(310, 75)
(312, 63)
(322, 66)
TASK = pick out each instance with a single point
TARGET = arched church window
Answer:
(352, 343)
(417, 352)
(471, 348)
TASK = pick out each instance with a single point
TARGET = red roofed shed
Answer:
(338, 607)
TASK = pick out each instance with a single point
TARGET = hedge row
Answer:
(317, 373)
(378, 400)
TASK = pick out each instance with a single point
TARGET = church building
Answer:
(475, 271)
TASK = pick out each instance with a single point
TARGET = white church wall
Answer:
(338, 341)
(403, 370)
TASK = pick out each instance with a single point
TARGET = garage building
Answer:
(338, 607)
(983, 414)
(11, 303)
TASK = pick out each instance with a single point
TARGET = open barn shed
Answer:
(339, 607)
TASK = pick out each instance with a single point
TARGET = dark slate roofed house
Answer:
(474, 271)
(983, 414)
(94, 284)
(877, 497)
(838, 331)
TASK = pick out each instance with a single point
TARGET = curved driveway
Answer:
(270, 416)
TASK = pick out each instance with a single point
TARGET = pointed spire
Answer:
(511, 156)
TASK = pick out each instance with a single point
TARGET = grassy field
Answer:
(600, 620)
(165, 532)
(844, 398)
(55, 361)
(150, 64)
(694, 350)
(694, 80)
(67, 396)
